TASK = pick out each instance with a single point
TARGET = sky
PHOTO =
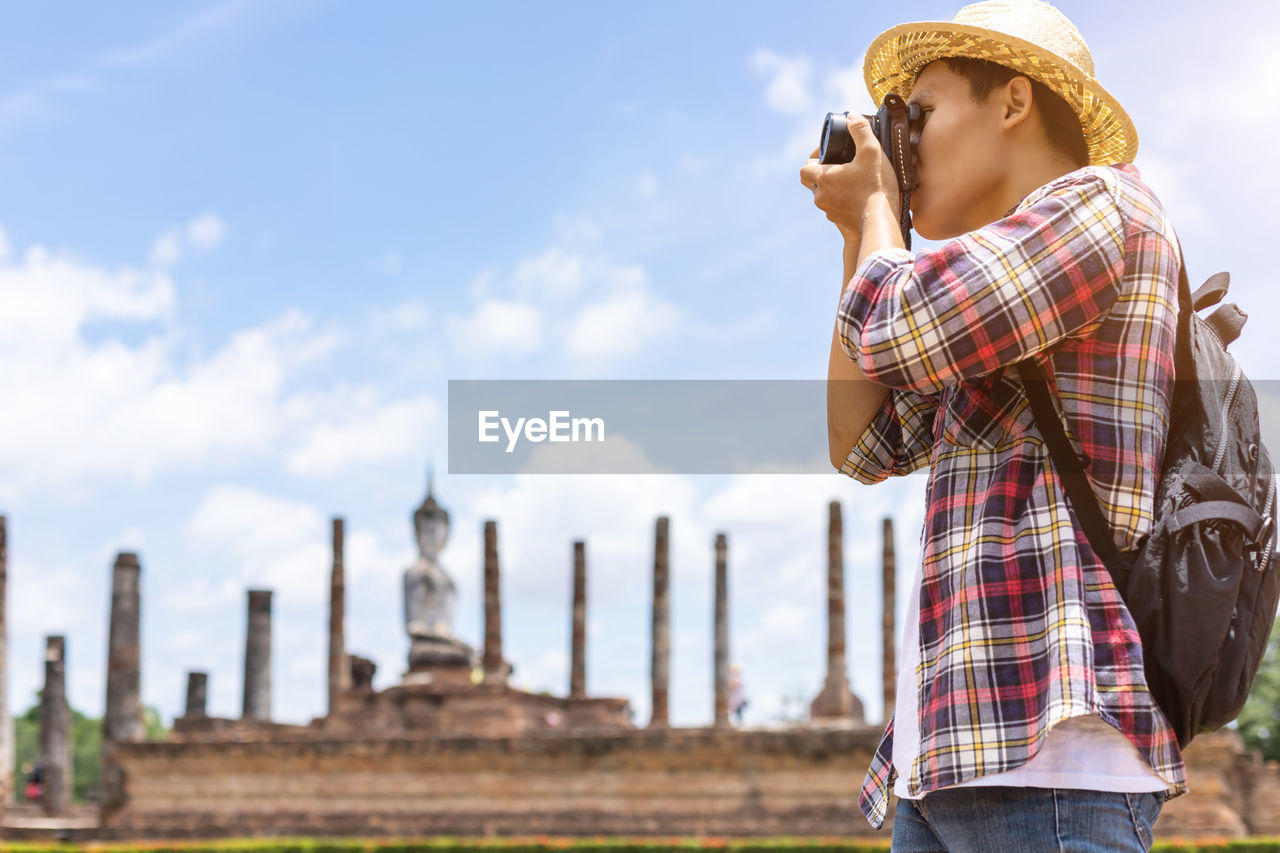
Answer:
(245, 246)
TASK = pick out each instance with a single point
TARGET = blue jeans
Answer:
(1025, 820)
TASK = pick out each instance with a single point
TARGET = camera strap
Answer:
(900, 156)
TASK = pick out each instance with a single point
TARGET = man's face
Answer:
(959, 161)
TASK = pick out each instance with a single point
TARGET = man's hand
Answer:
(842, 190)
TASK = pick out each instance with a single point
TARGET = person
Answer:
(34, 788)
(737, 693)
(1022, 718)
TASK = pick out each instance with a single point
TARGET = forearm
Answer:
(852, 399)
(880, 229)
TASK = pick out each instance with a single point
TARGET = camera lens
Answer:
(836, 145)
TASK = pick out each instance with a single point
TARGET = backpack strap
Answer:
(1227, 322)
(1212, 291)
(1070, 466)
(1249, 521)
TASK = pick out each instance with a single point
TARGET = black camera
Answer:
(894, 125)
(837, 145)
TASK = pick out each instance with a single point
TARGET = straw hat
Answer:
(1029, 36)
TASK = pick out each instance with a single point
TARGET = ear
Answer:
(1017, 101)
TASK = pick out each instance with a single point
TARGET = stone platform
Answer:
(604, 782)
(260, 779)
(428, 707)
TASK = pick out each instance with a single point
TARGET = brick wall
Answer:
(299, 781)
(685, 781)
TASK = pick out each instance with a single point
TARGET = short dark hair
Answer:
(1060, 122)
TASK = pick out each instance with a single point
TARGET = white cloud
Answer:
(539, 516)
(364, 431)
(49, 298)
(201, 596)
(847, 90)
(647, 185)
(554, 273)
(131, 539)
(619, 325)
(408, 316)
(579, 228)
(202, 234)
(278, 544)
(368, 558)
(788, 91)
(787, 619)
(787, 81)
(498, 327)
(192, 28)
(481, 285)
(615, 453)
(206, 232)
(692, 163)
(264, 541)
(48, 598)
(80, 412)
(167, 250)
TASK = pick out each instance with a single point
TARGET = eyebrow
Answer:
(919, 95)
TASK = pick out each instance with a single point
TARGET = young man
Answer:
(1023, 721)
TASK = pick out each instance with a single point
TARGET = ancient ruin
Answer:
(257, 657)
(122, 718)
(55, 729)
(452, 748)
(720, 661)
(836, 701)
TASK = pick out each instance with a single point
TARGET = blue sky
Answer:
(246, 245)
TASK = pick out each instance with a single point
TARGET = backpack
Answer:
(1204, 583)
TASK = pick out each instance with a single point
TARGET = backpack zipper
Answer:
(1226, 406)
(1265, 562)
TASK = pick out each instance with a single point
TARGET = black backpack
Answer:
(1204, 583)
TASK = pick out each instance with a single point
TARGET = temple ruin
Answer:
(453, 748)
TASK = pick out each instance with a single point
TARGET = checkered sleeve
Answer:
(990, 297)
(897, 441)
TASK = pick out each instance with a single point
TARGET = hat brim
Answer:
(897, 56)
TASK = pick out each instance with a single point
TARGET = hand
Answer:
(842, 190)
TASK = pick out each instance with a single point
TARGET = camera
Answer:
(893, 125)
(836, 145)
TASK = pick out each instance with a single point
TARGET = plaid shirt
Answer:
(1020, 625)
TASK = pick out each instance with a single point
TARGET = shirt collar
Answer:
(1069, 178)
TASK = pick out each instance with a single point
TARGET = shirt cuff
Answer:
(872, 456)
(856, 301)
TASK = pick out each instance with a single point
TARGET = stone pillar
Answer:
(495, 670)
(257, 657)
(888, 666)
(836, 699)
(122, 719)
(578, 668)
(660, 664)
(55, 730)
(197, 693)
(339, 670)
(6, 722)
(722, 631)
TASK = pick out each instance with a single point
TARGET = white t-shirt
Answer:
(1081, 752)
